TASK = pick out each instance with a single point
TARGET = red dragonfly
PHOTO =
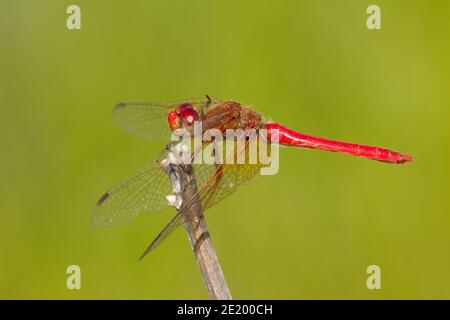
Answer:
(146, 191)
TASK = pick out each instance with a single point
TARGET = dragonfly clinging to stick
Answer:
(146, 191)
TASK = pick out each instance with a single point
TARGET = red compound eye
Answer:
(183, 106)
(187, 113)
(173, 120)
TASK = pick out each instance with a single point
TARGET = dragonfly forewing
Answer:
(148, 120)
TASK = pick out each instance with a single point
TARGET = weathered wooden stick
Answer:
(185, 191)
(201, 243)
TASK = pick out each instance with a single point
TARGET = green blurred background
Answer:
(308, 232)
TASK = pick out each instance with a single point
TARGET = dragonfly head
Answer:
(182, 116)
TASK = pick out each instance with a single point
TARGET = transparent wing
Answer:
(144, 191)
(173, 224)
(214, 183)
(228, 176)
(209, 194)
(148, 120)
(226, 181)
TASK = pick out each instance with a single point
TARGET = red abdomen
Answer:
(292, 138)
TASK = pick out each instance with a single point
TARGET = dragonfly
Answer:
(146, 191)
